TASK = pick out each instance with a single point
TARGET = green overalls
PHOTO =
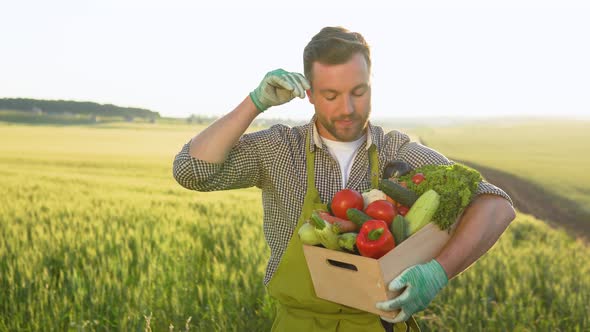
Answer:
(298, 308)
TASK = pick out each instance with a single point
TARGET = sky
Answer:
(430, 58)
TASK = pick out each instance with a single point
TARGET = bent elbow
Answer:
(181, 180)
(508, 212)
(183, 173)
(199, 177)
(512, 214)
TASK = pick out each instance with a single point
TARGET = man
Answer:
(301, 168)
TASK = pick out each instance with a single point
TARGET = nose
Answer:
(348, 106)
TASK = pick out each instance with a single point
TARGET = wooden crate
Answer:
(360, 282)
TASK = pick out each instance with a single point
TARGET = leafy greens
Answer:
(456, 184)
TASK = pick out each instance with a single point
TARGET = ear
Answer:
(309, 95)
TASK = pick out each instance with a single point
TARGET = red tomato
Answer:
(418, 178)
(344, 200)
(381, 210)
(403, 210)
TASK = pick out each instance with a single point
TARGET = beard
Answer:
(345, 133)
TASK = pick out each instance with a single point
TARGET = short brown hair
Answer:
(333, 46)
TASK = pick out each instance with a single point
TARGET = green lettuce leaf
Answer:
(456, 184)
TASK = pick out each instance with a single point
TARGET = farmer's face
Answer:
(341, 95)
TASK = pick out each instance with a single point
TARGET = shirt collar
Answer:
(316, 139)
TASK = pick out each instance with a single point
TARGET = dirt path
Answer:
(535, 200)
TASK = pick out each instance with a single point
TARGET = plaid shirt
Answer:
(274, 161)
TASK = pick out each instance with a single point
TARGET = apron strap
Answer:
(312, 194)
(374, 165)
(310, 160)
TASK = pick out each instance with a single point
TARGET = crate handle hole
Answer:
(342, 265)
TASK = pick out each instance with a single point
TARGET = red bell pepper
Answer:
(374, 239)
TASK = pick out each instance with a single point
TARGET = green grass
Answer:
(550, 154)
(95, 235)
(95, 229)
(533, 279)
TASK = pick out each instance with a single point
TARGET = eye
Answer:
(358, 92)
(330, 96)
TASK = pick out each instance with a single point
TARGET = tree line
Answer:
(75, 107)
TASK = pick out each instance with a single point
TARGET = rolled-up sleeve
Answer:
(192, 173)
(418, 155)
(241, 169)
(486, 188)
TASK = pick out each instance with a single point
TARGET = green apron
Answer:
(298, 308)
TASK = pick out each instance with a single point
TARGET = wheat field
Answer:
(97, 236)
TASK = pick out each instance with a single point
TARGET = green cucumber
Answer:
(399, 229)
(422, 211)
(404, 196)
(357, 216)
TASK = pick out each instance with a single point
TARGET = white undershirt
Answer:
(344, 153)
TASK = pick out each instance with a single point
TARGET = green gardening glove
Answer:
(422, 283)
(278, 87)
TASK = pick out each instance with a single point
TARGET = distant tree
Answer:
(200, 119)
(75, 107)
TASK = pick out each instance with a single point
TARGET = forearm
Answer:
(481, 225)
(214, 143)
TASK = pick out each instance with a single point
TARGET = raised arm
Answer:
(214, 143)
(277, 87)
